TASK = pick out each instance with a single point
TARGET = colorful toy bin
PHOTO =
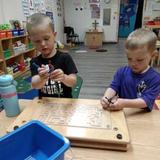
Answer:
(33, 141)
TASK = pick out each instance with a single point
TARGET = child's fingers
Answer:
(43, 73)
(57, 75)
(115, 107)
(104, 103)
(42, 69)
(57, 72)
(43, 66)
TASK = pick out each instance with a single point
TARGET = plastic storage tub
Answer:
(33, 141)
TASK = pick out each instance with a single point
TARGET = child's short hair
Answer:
(141, 38)
(38, 19)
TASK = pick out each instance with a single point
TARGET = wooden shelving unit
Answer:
(8, 55)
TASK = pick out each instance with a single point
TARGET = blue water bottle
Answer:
(8, 95)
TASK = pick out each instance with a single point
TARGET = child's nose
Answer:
(43, 43)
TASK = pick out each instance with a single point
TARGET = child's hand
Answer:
(116, 106)
(57, 75)
(43, 72)
(104, 102)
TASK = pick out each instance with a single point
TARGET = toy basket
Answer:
(33, 141)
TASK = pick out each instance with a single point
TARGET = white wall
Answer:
(1, 12)
(79, 20)
(58, 20)
(12, 9)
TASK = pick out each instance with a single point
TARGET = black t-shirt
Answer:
(59, 61)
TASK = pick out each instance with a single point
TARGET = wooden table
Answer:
(144, 131)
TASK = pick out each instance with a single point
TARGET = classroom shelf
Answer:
(9, 56)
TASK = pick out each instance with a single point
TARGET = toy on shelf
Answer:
(5, 27)
(17, 30)
(7, 53)
(21, 66)
(27, 61)
(19, 47)
(10, 70)
(5, 31)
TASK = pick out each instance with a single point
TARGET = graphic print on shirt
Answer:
(52, 88)
(51, 67)
(140, 88)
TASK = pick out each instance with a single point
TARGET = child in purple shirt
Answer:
(136, 85)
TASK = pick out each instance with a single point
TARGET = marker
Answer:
(36, 65)
(109, 100)
(47, 67)
(51, 70)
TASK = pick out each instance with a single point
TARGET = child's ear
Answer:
(154, 53)
(55, 34)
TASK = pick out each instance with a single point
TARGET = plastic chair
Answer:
(33, 93)
(76, 89)
(71, 35)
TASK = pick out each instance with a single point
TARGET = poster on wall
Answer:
(39, 6)
(25, 7)
(33, 6)
(95, 10)
(59, 8)
(49, 5)
(50, 14)
(127, 19)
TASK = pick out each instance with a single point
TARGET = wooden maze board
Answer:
(84, 122)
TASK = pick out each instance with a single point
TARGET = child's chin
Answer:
(46, 54)
(137, 72)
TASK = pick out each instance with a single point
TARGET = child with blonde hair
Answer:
(53, 72)
(138, 84)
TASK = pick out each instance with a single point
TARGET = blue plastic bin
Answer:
(14, 32)
(33, 141)
(21, 32)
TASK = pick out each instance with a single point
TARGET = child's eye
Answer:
(38, 41)
(140, 60)
(46, 39)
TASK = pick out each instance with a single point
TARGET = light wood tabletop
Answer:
(144, 129)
